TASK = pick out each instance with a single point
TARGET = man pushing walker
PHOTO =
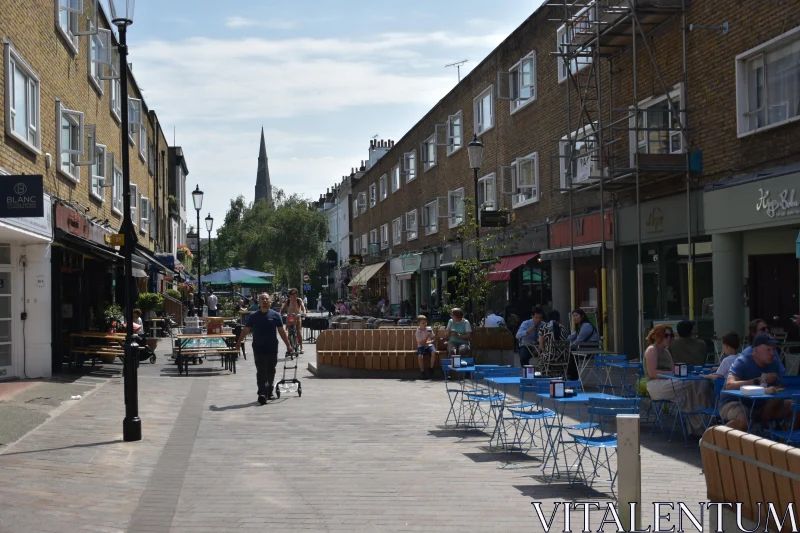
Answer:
(265, 324)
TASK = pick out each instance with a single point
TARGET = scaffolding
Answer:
(592, 34)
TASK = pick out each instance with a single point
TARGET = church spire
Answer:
(263, 185)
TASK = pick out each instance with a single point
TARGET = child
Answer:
(730, 347)
(425, 345)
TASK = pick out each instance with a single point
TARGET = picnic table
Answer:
(196, 347)
(95, 345)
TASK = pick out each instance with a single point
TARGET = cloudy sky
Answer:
(322, 77)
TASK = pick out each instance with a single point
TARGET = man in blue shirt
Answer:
(528, 336)
(265, 324)
(758, 366)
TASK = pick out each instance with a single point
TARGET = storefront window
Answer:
(5, 254)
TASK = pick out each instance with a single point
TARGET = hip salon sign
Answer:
(782, 205)
(21, 196)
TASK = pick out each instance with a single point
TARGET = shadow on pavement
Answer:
(89, 445)
(234, 407)
(458, 433)
(561, 492)
(501, 457)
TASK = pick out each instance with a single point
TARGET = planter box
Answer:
(492, 339)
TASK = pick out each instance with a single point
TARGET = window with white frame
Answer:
(373, 238)
(143, 142)
(384, 236)
(144, 211)
(70, 142)
(395, 178)
(116, 191)
(409, 165)
(525, 180)
(397, 231)
(134, 204)
(412, 229)
(97, 58)
(373, 195)
(430, 218)
(174, 237)
(484, 110)
(454, 132)
(362, 202)
(151, 158)
(455, 207)
(582, 24)
(135, 119)
(99, 172)
(116, 99)
(22, 104)
(364, 244)
(356, 245)
(68, 13)
(581, 158)
(487, 193)
(355, 210)
(429, 152)
(384, 187)
(522, 82)
(660, 125)
(768, 84)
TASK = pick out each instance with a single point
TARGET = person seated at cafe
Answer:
(758, 367)
(554, 328)
(425, 345)
(731, 342)
(585, 332)
(657, 361)
(757, 327)
(459, 332)
(687, 349)
(528, 336)
(493, 321)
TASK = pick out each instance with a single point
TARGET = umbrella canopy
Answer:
(255, 283)
(234, 275)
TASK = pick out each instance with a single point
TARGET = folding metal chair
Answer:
(526, 414)
(453, 394)
(709, 414)
(792, 435)
(601, 364)
(478, 399)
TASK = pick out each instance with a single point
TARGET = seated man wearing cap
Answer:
(687, 349)
(760, 367)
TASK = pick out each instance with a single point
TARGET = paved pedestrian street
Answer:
(349, 455)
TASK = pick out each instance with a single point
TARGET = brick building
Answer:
(599, 195)
(60, 116)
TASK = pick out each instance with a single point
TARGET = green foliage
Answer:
(150, 301)
(172, 293)
(111, 315)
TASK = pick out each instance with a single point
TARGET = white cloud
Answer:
(273, 24)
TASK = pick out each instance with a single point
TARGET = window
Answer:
(144, 205)
(428, 152)
(660, 126)
(174, 237)
(364, 244)
(70, 142)
(430, 218)
(68, 12)
(395, 178)
(454, 133)
(22, 105)
(356, 245)
(134, 119)
(409, 166)
(411, 225)
(583, 162)
(116, 99)
(384, 236)
(355, 209)
(373, 195)
(522, 82)
(143, 143)
(397, 231)
(116, 191)
(582, 24)
(768, 84)
(487, 193)
(484, 110)
(362, 202)
(524, 180)
(455, 207)
(134, 203)
(99, 55)
(373, 238)
(99, 172)
(151, 158)
(384, 186)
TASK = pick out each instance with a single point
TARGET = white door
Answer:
(5, 322)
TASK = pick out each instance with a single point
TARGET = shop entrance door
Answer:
(774, 289)
(5, 323)
(651, 292)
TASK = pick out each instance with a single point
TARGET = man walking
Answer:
(265, 324)
(211, 302)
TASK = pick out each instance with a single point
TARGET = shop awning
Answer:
(366, 274)
(402, 276)
(145, 257)
(503, 269)
(584, 250)
(85, 246)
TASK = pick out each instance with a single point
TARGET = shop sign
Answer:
(494, 219)
(76, 223)
(655, 221)
(783, 205)
(118, 239)
(21, 197)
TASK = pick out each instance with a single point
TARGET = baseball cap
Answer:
(763, 338)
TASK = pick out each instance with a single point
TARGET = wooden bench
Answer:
(740, 467)
(369, 349)
(227, 357)
(78, 355)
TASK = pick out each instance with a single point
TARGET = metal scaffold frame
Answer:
(593, 30)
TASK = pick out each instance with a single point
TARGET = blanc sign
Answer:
(21, 196)
(784, 205)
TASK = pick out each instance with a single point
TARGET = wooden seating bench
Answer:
(740, 467)
(369, 349)
(227, 356)
(78, 355)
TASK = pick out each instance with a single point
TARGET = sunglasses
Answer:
(764, 329)
(668, 335)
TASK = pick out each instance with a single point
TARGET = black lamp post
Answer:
(197, 198)
(475, 153)
(122, 17)
(209, 227)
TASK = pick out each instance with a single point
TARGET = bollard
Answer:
(629, 470)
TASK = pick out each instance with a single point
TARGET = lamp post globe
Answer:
(122, 11)
(197, 199)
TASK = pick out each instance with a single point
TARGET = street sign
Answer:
(118, 239)
(306, 278)
(494, 219)
(307, 287)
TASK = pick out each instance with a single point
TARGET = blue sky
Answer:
(323, 77)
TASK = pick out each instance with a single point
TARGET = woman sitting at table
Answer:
(584, 329)
(657, 360)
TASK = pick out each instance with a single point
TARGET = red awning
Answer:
(503, 269)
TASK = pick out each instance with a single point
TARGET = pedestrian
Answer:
(200, 301)
(266, 325)
(320, 307)
(211, 301)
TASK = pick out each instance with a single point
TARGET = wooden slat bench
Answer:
(740, 467)
(369, 349)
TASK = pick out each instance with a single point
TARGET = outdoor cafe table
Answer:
(787, 394)
(624, 366)
(680, 399)
(582, 355)
(94, 343)
(222, 342)
(499, 381)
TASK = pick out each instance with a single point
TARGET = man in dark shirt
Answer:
(688, 349)
(265, 324)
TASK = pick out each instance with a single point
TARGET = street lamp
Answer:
(475, 153)
(197, 198)
(122, 17)
(209, 227)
